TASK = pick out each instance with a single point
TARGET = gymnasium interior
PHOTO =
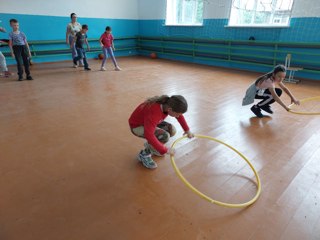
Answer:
(68, 159)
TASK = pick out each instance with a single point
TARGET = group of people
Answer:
(147, 120)
(76, 37)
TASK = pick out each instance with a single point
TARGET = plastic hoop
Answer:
(305, 113)
(202, 195)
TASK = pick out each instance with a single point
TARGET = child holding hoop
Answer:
(264, 88)
(147, 121)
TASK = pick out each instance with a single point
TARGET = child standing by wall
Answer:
(106, 41)
(19, 49)
(264, 88)
(3, 64)
(147, 122)
(81, 38)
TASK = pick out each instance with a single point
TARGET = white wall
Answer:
(152, 9)
(115, 9)
(306, 8)
(132, 9)
(217, 9)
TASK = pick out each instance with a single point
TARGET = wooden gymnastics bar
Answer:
(60, 48)
(256, 53)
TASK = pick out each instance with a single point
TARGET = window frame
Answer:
(183, 9)
(264, 25)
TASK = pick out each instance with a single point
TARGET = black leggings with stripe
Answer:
(267, 98)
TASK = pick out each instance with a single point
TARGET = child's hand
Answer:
(189, 134)
(288, 108)
(171, 151)
(295, 101)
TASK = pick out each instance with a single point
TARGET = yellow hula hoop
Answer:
(202, 195)
(305, 113)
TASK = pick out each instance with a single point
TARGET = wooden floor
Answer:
(68, 163)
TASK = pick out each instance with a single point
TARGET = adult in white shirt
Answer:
(72, 28)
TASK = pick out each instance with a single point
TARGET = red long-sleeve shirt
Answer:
(150, 116)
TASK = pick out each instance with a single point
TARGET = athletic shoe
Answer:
(118, 68)
(87, 69)
(29, 78)
(257, 111)
(145, 158)
(152, 150)
(75, 65)
(81, 64)
(266, 108)
(102, 69)
(20, 78)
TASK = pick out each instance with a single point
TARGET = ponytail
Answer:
(276, 69)
(163, 99)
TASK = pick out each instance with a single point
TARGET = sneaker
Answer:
(75, 65)
(266, 108)
(20, 78)
(87, 69)
(81, 64)
(257, 111)
(152, 150)
(145, 158)
(117, 68)
(29, 78)
(102, 69)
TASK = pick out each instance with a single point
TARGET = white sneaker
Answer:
(75, 65)
(102, 69)
(117, 68)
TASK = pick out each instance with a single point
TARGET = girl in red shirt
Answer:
(106, 41)
(147, 121)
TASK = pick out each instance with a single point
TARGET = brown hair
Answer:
(276, 69)
(177, 102)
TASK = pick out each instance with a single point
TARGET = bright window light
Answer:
(264, 13)
(184, 12)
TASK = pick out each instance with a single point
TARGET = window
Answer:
(184, 12)
(264, 13)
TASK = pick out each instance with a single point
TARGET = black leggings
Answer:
(267, 98)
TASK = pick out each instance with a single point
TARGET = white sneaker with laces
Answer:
(103, 69)
(146, 160)
(117, 68)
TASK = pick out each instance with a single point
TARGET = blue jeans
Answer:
(81, 56)
(21, 55)
(106, 51)
(73, 49)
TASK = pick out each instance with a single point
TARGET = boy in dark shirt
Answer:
(79, 40)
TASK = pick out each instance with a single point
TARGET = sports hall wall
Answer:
(304, 26)
(47, 20)
(305, 19)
